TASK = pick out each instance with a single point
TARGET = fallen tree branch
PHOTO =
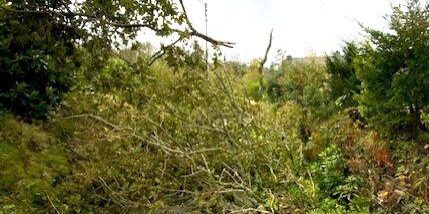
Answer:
(157, 144)
(131, 132)
(162, 52)
(53, 205)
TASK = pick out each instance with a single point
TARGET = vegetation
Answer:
(343, 81)
(394, 69)
(88, 128)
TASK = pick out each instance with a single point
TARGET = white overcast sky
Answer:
(301, 27)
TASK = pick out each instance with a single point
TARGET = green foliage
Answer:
(338, 188)
(112, 22)
(304, 82)
(343, 81)
(28, 87)
(178, 141)
(329, 171)
(191, 141)
(394, 69)
(180, 58)
(39, 41)
(35, 64)
(254, 90)
(251, 79)
(172, 138)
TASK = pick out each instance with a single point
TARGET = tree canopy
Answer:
(113, 21)
(394, 70)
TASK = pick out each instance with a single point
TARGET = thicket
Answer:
(334, 136)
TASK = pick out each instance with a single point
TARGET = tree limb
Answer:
(155, 142)
(161, 52)
(192, 31)
(264, 60)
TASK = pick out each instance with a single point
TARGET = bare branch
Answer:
(194, 32)
(130, 131)
(162, 52)
(264, 60)
(156, 143)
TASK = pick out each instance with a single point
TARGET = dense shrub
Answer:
(35, 64)
(305, 83)
(28, 87)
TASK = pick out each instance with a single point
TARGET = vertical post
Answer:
(207, 47)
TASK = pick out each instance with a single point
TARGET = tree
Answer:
(343, 81)
(116, 22)
(39, 41)
(36, 56)
(394, 70)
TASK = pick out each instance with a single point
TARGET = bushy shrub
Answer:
(334, 179)
(35, 64)
(28, 86)
(304, 82)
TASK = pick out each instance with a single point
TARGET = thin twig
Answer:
(53, 205)
(250, 210)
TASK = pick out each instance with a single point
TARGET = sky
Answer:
(301, 27)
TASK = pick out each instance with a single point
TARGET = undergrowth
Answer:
(186, 142)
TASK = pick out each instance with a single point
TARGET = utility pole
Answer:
(207, 46)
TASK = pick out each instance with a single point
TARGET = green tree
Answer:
(343, 81)
(394, 70)
(39, 41)
(36, 56)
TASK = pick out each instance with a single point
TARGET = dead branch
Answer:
(130, 131)
(157, 143)
(53, 205)
(264, 60)
(194, 32)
